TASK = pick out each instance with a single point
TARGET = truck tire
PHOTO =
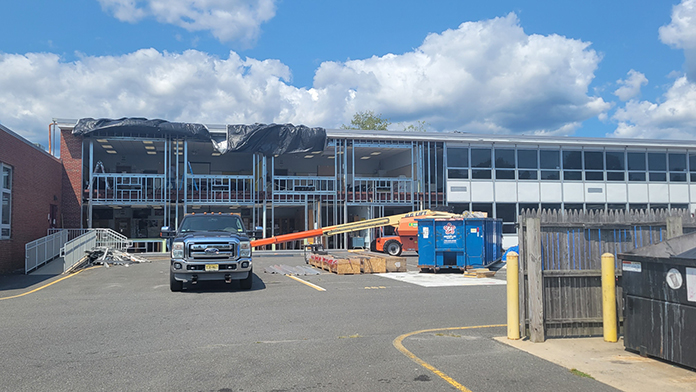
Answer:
(175, 285)
(392, 248)
(373, 246)
(245, 284)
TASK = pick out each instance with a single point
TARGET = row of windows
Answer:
(571, 165)
(6, 201)
(509, 212)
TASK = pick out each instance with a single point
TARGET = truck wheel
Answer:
(392, 248)
(245, 284)
(373, 246)
(175, 285)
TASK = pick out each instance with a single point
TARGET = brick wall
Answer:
(71, 155)
(36, 184)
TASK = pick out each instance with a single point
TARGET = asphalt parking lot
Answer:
(120, 328)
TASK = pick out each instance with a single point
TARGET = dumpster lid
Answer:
(678, 250)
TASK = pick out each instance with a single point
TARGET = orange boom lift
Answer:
(405, 224)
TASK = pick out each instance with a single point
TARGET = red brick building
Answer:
(31, 195)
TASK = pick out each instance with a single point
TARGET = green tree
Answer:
(367, 120)
(418, 127)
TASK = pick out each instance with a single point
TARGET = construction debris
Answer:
(110, 256)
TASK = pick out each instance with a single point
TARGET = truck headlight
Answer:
(245, 249)
(178, 250)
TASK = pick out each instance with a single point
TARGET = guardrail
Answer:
(128, 188)
(383, 190)
(71, 245)
(43, 250)
(211, 189)
(73, 251)
(295, 189)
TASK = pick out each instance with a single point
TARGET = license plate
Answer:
(211, 267)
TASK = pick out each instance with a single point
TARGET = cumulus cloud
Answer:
(486, 76)
(673, 116)
(630, 87)
(681, 33)
(227, 20)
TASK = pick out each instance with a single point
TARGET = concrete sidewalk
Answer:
(610, 364)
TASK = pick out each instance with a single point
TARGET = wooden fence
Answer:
(560, 264)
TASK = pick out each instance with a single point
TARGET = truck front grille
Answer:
(212, 251)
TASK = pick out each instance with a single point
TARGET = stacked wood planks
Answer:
(333, 264)
(357, 262)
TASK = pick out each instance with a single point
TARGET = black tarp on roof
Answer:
(141, 126)
(274, 139)
(266, 139)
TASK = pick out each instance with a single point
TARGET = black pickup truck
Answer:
(210, 247)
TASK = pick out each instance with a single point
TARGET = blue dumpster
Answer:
(459, 243)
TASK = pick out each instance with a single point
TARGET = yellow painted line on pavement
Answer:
(399, 346)
(312, 285)
(46, 285)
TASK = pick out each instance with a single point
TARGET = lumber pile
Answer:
(479, 273)
(357, 262)
(379, 263)
(339, 266)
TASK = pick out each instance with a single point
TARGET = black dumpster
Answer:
(659, 293)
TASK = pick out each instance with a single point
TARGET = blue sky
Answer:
(591, 68)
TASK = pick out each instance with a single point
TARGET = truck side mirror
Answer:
(257, 232)
(166, 232)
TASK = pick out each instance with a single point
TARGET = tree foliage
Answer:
(419, 126)
(368, 120)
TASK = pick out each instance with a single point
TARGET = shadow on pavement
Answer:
(222, 287)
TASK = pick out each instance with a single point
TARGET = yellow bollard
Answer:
(513, 292)
(609, 298)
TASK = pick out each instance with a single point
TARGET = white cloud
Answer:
(227, 20)
(630, 87)
(484, 76)
(674, 118)
(681, 33)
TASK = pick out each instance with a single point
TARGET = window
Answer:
(481, 163)
(458, 173)
(594, 166)
(572, 165)
(508, 213)
(636, 166)
(657, 166)
(457, 157)
(550, 163)
(504, 164)
(6, 201)
(527, 164)
(457, 162)
(616, 165)
(692, 167)
(677, 167)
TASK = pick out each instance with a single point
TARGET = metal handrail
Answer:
(43, 250)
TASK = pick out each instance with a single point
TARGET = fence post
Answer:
(513, 293)
(609, 298)
(536, 280)
(674, 227)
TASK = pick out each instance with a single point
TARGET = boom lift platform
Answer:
(405, 224)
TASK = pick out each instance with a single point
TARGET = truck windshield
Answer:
(228, 223)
